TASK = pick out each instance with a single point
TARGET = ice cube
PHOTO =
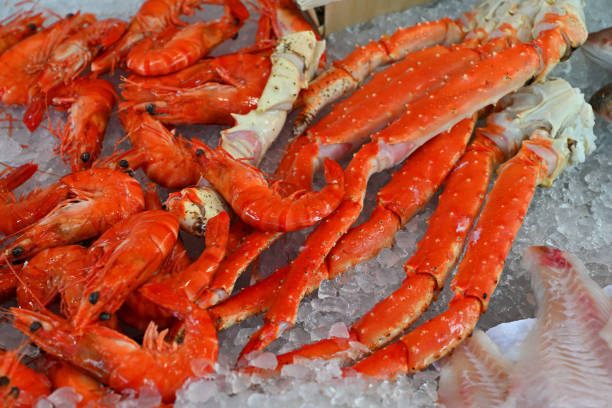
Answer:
(339, 330)
(262, 359)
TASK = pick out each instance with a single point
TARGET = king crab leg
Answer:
(539, 161)
(373, 157)
(346, 75)
(461, 96)
(416, 75)
(419, 173)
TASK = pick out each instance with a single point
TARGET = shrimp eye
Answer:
(17, 251)
(35, 326)
(69, 15)
(104, 316)
(124, 164)
(4, 380)
(85, 157)
(32, 27)
(93, 297)
(199, 152)
(150, 108)
(15, 392)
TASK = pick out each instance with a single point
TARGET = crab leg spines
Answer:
(197, 276)
(438, 250)
(427, 343)
(371, 158)
(364, 241)
(373, 106)
(346, 75)
(464, 94)
(250, 301)
(553, 105)
(495, 229)
(388, 319)
(440, 335)
(391, 316)
(385, 97)
(408, 191)
(457, 208)
(425, 171)
(492, 238)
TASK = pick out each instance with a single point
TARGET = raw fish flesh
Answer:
(566, 359)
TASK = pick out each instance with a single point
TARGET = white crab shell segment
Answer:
(195, 206)
(552, 109)
(525, 16)
(293, 64)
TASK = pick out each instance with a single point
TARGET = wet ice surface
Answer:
(574, 215)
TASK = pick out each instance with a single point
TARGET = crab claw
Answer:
(259, 204)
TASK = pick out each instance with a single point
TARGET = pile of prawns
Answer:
(95, 238)
(421, 110)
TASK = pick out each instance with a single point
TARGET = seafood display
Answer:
(565, 359)
(127, 262)
(599, 48)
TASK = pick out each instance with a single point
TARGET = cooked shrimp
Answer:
(18, 26)
(208, 92)
(20, 386)
(167, 160)
(67, 61)
(90, 103)
(30, 208)
(154, 17)
(51, 271)
(22, 64)
(97, 199)
(120, 362)
(175, 49)
(126, 256)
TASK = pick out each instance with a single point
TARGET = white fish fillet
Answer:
(566, 360)
(476, 375)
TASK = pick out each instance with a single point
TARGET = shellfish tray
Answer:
(575, 214)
